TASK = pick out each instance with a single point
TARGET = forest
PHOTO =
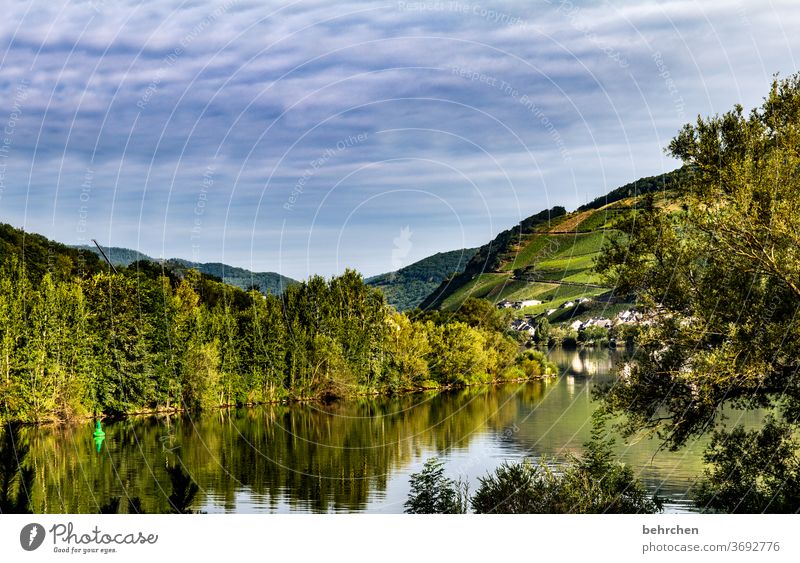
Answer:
(78, 341)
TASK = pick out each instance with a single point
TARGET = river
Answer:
(352, 456)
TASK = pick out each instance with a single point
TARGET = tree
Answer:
(16, 480)
(542, 330)
(433, 493)
(719, 275)
(751, 471)
(407, 346)
(458, 355)
(481, 313)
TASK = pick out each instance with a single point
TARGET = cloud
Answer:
(473, 116)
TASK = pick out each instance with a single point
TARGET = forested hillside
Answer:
(407, 287)
(43, 255)
(266, 282)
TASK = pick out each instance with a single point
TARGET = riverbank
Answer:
(321, 398)
(350, 455)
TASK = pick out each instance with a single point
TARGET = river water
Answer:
(352, 456)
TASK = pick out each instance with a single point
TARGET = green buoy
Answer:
(99, 436)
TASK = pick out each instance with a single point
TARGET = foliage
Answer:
(43, 256)
(265, 282)
(533, 363)
(591, 483)
(517, 488)
(151, 338)
(542, 329)
(433, 493)
(408, 286)
(625, 334)
(481, 313)
(719, 275)
(751, 471)
(596, 335)
(563, 336)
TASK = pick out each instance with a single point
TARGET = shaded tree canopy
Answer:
(719, 271)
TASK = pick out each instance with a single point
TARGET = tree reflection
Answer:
(308, 457)
(16, 479)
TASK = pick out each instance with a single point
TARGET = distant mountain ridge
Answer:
(408, 286)
(404, 288)
(267, 282)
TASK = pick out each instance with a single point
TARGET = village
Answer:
(528, 325)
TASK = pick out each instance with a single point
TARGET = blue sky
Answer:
(306, 137)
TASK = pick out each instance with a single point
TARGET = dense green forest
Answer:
(407, 287)
(78, 342)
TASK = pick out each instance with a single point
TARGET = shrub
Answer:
(433, 493)
(517, 488)
(534, 363)
(592, 483)
(751, 471)
(563, 336)
(593, 335)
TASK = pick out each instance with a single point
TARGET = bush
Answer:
(625, 334)
(592, 483)
(517, 488)
(751, 472)
(563, 336)
(513, 373)
(433, 493)
(534, 363)
(593, 335)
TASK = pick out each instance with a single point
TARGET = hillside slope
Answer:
(548, 257)
(408, 286)
(40, 255)
(267, 282)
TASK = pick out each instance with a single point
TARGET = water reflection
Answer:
(354, 455)
(587, 362)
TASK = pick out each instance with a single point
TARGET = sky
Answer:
(308, 137)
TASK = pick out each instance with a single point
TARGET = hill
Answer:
(41, 255)
(118, 256)
(548, 257)
(267, 282)
(408, 286)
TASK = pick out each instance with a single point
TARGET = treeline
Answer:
(147, 339)
(651, 184)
